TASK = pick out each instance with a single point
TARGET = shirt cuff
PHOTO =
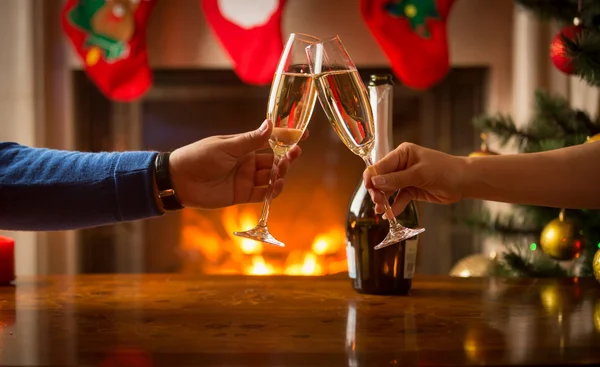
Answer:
(134, 186)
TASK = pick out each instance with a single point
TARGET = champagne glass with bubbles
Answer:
(346, 103)
(291, 103)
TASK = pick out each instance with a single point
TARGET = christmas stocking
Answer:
(110, 38)
(250, 32)
(412, 34)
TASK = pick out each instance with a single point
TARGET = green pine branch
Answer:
(504, 128)
(553, 113)
(554, 125)
(555, 120)
(517, 263)
(593, 127)
(584, 51)
(505, 226)
(538, 216)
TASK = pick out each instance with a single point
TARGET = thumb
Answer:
(391, 162)
(396, 180)
(242, 144)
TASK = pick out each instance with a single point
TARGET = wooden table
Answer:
(173, 320)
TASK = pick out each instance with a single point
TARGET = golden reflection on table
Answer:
(172, 320)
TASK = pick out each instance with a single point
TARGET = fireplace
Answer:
(187, 105)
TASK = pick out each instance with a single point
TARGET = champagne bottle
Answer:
(388, 270)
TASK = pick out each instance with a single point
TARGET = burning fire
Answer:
(209, 246)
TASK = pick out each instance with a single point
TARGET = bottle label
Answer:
(351, 262)
(410, 258)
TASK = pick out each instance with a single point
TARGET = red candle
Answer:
(7, 260)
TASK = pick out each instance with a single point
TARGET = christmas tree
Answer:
(562, 235)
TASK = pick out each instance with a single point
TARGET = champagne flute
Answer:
(291, 103)
(346, 103)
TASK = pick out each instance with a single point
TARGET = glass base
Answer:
(260, 233)
(396, 235)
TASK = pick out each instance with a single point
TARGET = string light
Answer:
(577, 19)
(533, 246)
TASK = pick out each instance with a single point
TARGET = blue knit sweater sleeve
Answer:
(44, 189)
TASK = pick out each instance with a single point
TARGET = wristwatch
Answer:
(166, 192)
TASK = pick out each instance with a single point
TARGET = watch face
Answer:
(166, 193)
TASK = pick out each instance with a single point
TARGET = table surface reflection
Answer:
(175, 320)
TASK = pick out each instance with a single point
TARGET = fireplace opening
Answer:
(208, 246)
(184, 106)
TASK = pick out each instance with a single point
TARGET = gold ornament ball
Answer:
(592, 139)
(482, 153)
(596, 266)
(562, 239)
(477, 265)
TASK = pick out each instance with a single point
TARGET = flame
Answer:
(320, 246)
(250, 246)
(259, 267)
(329, 243)
(310, 266)
(209, 246)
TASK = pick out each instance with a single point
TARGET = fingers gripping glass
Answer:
(346, 103)
(291, 103)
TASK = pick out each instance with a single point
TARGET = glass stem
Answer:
(267, 203)
(388, 210)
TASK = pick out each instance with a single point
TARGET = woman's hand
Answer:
(419, 173)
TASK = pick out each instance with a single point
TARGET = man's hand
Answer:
(419, 173)
(221, 171)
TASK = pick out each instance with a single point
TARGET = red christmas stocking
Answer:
(250, 32)
(413, 35)
(110, 38)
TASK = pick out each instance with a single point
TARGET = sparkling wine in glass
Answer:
(291, 103)
(346, 103)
